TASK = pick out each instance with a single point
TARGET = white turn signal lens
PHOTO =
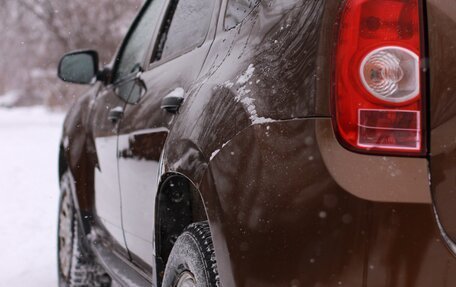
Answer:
(391, 74)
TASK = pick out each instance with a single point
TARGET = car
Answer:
(264, 143)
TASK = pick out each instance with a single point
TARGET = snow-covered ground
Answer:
(29, 193)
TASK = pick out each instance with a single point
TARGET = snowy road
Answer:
(29, 190)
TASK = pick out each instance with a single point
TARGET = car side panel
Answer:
(107, 191)
(79, 150)
(272, 67)
(278, 218)
(142, 136)
(145, 127)
(442, 53)
(247, 138)
(90, 142)
(244, 81)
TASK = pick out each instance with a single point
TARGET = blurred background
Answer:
(36, 33)
(33, 102)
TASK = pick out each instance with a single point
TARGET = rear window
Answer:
(237, 10)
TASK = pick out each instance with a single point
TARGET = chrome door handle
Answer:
(172, 102)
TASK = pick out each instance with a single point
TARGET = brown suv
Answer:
(265, 143)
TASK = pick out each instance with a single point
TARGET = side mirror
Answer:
(79, 67)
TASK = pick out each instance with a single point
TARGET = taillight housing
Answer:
(378, 99)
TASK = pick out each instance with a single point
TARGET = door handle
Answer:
(115, 114)
(172, 102)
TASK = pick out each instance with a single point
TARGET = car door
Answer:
(106, 113)
(176, 60)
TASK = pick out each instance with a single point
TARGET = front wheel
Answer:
(75, 268)
(192, 260)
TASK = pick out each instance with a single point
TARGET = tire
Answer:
(192, 260)
(75, 268)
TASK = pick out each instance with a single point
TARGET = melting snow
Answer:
(177, 93)
(214, 154)
(248, 102)
(228, 84)
(247, 75)
(218, 150)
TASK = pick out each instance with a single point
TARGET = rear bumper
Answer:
(375, 178)
(289, 207)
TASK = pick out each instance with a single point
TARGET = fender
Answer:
(229, 98)
(78, 153)
(232, 105)
(275, 210)
(278, 216)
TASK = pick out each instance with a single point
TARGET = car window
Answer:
(237, 10)
(136, 47)
(185, 28)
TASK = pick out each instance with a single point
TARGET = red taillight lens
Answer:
(378, 102)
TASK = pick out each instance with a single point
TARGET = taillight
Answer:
(378, 102)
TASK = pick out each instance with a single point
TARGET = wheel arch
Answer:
(179, 203)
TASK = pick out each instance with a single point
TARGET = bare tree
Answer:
(36, 33)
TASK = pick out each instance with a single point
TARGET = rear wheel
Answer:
(192, 260)
(75, 268)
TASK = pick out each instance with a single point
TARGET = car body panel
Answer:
(230, 98)
(278, 218)
(282, 215)
(442, 49)
(242, 82)
(375, 178)
(107, 192)
(79, 149)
